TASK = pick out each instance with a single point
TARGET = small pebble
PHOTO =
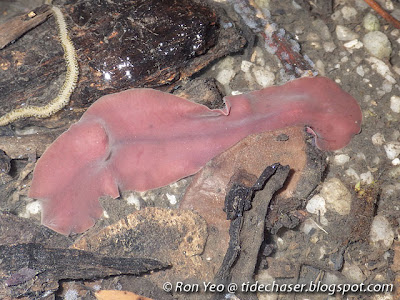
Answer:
(172, 199)
(389, 5)
(246, 65)
(394, 172)
(71, 294)
(225, 76)
(336, 16)
(134, 200)
(360, 71)
(395, 32)
(316, 205)
(377, 44)
(32, 208)
(381, 233)
(263, 77)
(360, 156)
(371, 22)
(353, 44)
(392, 150)
(319, 64)
(323, 29)
(345, 34)
(395, 135)
(336, 195)
(367, 178)
(382, 69)
(329, 46)
(378, 139)
(353, 272)
(395, 104)
(309, 226)
(350, 172)
(226, 71)
(349, 12)
(387, 86)
(396, 161)
(341, 159)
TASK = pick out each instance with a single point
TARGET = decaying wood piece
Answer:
(120, 46)
(247, 228)
(178, 235)
(24, 231)
(19, 25)
(31, 269)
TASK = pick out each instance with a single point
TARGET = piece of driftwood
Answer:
(119, 45)
(247, 227)
(19, 25)
(31, 269)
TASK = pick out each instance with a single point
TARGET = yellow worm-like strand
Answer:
(68, 87)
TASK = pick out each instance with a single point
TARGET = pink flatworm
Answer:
(141, 139)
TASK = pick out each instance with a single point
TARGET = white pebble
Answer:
(71, 294)
(387, 86)
(225, 76)
(360, 156)
(381, 68)
(376, 160)
(34, 207)
(134, 200)
(367, 178)
(319, 64)
(308, 225)
(336, 195)
(395, 172)
(172, 199)
(389, 5)
(31, 208)
(263, 77)
(371, 22)
(322, 28)
(316, 205)
(246, 65)
(395, 135)
(396, 161)
(226, 70)
(329, 46)
(381, 233)
(360, 71)
(353, 44)
(350, 172)
(345, 34)
(395, 104)
(349, 12)
(341, 159)
(378, 139)
(377, 44)
(392, 150)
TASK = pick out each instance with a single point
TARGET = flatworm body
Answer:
(142, 139)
